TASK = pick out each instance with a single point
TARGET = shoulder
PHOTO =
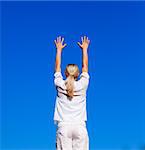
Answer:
(58, 79)
(58, 75)
(85, 75)
(84, 80)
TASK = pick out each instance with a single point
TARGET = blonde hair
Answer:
(72, 72)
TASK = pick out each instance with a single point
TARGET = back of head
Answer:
(72, 73)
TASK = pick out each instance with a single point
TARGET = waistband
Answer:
(61, 123)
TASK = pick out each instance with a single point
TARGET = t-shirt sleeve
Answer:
(58, 79)
(84, 79)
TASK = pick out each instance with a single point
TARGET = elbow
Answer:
(85, 69)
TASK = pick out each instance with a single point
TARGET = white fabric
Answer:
(72, 136)
(75, 109)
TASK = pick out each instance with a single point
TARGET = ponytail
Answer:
(70, 86)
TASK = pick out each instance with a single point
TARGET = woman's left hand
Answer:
(59, 43)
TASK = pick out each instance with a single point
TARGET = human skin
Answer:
(59, 46)
(83, 45)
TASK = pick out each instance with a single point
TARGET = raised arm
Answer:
(59, 46)
(84, 47)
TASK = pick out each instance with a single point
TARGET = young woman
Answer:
(70, 107)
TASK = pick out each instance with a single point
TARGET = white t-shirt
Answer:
(75, 109)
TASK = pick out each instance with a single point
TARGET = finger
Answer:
(87, 38)
(59, 38)
(79, 44)
(88, 41)
(64, 45)
(82, 39)
(55, 41)
(62, 40)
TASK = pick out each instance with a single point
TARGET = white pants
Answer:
(72, 136)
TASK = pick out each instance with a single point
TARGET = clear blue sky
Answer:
(116, 93)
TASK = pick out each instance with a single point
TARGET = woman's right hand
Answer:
(59, 43)
(85, 43)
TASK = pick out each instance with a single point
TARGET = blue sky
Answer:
(116, 93)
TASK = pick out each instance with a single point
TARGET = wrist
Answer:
(59, 51)
(85, 50)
